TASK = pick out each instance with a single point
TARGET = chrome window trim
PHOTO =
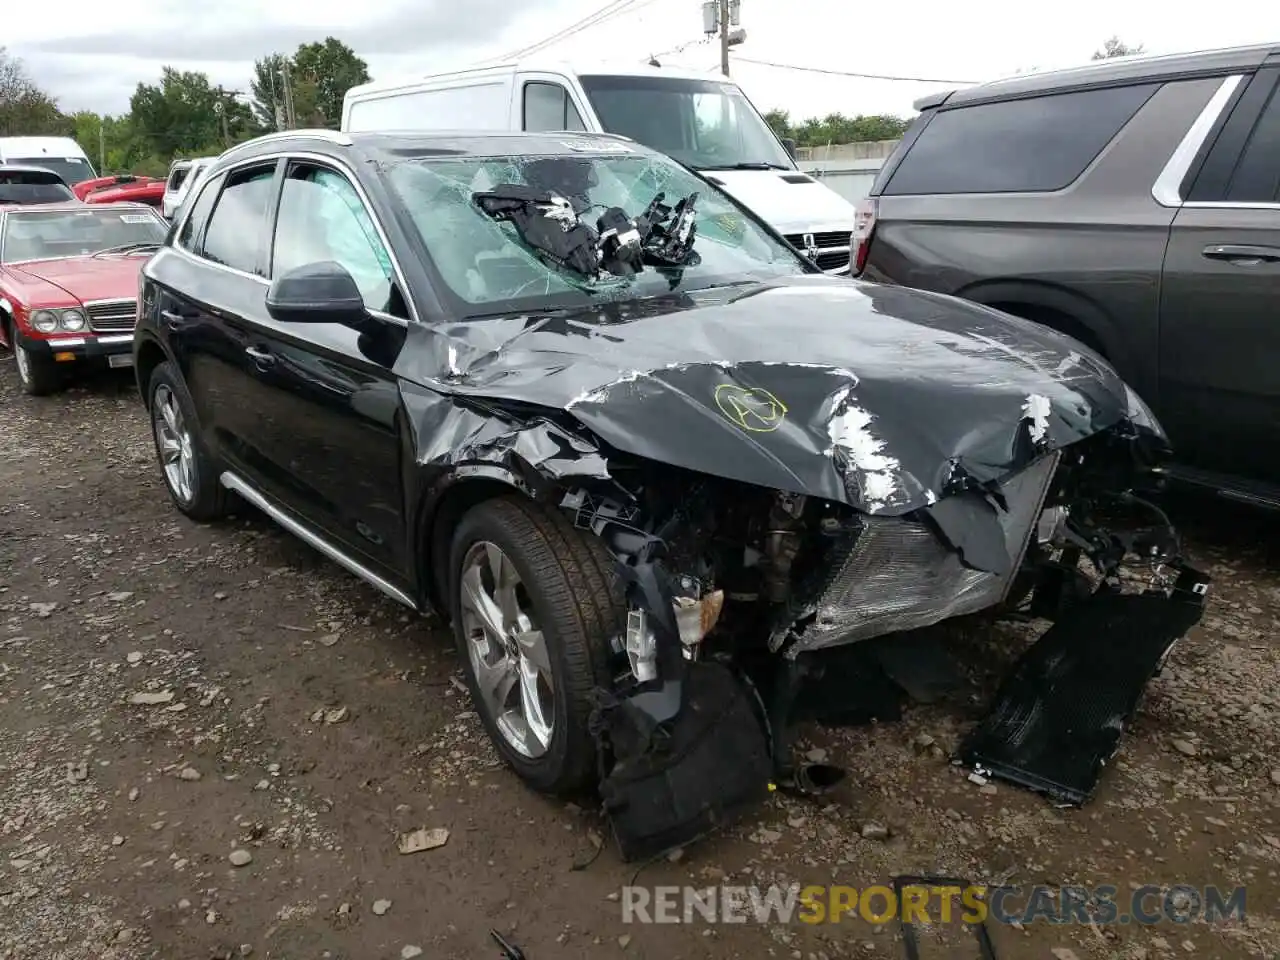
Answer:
(346, 170)
(1167, 190)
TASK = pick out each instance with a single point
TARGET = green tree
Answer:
(25, 109)
(315, 78)
(185, 114)
(1115, 47)
(267, 87)
(836, 128)
(331, 69)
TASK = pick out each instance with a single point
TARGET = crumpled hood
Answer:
(877, 396)
(788, 207)
(80, 278)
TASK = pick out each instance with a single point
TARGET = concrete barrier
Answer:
(847, 168)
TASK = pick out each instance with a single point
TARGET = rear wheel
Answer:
(535, 603)
(190, 474)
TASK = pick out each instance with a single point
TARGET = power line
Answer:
(845, 73)
(605, 13)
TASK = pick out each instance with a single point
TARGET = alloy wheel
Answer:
(507, 650)
(173, 441)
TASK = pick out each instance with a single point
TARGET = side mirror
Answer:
(790, 146)
(321, 292)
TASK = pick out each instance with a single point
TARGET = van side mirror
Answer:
(790, 146)
(321, 292)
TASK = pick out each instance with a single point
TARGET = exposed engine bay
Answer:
(764, 584)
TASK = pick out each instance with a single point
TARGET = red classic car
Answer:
(125, 187)
(69, 285)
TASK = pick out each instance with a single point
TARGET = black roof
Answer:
(1113, 72)
(393, 146)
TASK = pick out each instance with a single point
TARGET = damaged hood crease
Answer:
(879, 397)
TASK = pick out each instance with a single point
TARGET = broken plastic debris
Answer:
(423, 839)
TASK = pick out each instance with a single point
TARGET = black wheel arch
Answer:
(443, 506)
(1064, 310)
(148, 354)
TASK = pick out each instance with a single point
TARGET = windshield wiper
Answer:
(129, 248)
(753, 165)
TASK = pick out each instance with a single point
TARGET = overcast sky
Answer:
(98, 67)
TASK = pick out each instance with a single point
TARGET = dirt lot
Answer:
(292, 714)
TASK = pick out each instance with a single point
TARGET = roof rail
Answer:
(318, 133)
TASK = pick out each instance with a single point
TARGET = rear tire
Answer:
(190, 474)
(561, 585)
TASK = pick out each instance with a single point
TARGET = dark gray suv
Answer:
(1132, 204)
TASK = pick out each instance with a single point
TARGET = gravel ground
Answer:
(211, 740)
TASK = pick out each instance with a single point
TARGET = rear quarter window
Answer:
(1032, 145)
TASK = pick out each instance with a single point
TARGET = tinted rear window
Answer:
(1015, 146)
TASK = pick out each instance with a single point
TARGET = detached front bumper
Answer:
(1059, 714)
(65, 348)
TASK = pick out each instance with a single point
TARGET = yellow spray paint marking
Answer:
(751, 408)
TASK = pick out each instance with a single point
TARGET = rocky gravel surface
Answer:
(216, 744)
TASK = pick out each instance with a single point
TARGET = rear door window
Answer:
(235, 232)
(547, 107)
(1257, 177)
(1031, 145)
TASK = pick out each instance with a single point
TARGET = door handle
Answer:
(1246, 255)
(262, 359)
(173, 320)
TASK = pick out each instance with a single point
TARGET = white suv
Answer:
(182, 174)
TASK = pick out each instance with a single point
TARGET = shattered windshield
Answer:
(575, 228)
(705, 124)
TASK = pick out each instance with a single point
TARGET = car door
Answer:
(1220, 292)
(211, 290)
(327, 430)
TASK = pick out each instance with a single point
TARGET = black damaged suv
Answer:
(1133, 204)
(641, 453)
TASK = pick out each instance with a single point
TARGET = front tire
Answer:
(535, 602)
(190, 474)
(38, 374)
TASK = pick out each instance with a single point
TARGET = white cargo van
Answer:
(703, 121)
(183, 174)
(62, 155)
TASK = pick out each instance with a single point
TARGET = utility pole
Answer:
(102, 147)
(290, 119)
(222, 116)
(724, 37)
(720, 17)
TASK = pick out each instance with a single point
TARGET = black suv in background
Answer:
(1132, 204)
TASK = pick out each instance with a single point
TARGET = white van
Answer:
(177, 185)
(62, 155)
(703, 121)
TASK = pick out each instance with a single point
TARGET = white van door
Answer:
(548, 101)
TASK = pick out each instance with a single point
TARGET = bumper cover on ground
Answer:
(1059, 714)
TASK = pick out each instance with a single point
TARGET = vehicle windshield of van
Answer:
(49, 234)
(566, 229)
(703, 124)
(71, 169)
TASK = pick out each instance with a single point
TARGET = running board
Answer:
(314, 540)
